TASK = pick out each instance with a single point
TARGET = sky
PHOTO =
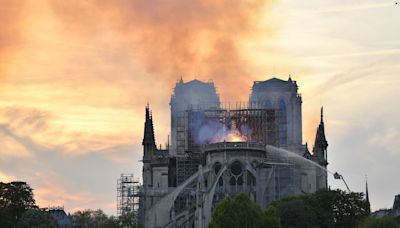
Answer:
(75, 77)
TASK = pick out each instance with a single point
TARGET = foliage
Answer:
(296, 212)
(111, 222)
(373, 222)
(15, 198)
(97, 219)
(35, 218)
(270, 218)
(18, 209)
(89, 218)
(238, 212)
(323, 209)
(6, 218)
(128, 220)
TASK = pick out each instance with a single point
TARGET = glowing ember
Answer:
(235, 136)
(230, 136)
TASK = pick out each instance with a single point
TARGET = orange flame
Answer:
(235, 136)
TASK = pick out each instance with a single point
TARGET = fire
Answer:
(235, 136)
(229, 135)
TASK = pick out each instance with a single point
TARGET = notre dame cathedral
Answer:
(219, 150)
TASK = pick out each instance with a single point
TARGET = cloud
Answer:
(12, 22)
(360, 74)
(201, 38)
(11, 146)
(347, 7)
(23, 141)
(6, 178)
(71, 169)
(77, 182)
(383, 52)
(38, 131)
(386, 138)
(361, 149)
(26, 121)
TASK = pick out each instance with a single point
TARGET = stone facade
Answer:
(217, 152)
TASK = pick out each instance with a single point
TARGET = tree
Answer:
(89, 218)
(323, 209)
(111, 222)
(372, 222)
(16, 198)
(6, 219)
(35, 218)
(129, 220)
(97, 219)
(270, 218)
(296, 212)
(238, 212)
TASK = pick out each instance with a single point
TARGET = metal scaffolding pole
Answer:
(127, 195)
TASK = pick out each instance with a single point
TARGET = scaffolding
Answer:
(258, 124)
(127, 195)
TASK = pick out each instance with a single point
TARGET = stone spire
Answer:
(321, 145)
(322, 114)
(320, 154)
(149, 144)
(366, 190)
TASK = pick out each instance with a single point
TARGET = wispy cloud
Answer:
(339, 7)
(382, 52)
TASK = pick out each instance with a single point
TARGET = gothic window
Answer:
(236, 168)
(217, 167)
(232, 181)
(240, 180)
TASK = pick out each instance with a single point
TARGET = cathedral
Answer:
(219, 150)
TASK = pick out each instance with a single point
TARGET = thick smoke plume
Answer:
(199, 38)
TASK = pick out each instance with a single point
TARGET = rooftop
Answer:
(222, 146)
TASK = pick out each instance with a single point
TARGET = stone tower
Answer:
(194, 94)
(149, 149)
(283, 96)
(320, 154)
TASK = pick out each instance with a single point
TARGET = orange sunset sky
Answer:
(75, 77)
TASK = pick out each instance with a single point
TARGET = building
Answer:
(217, 151)
(63, 220)
(282, 96)
(393, 212)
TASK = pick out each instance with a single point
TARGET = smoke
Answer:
(205, 130)
(199, 38)
(10, 32)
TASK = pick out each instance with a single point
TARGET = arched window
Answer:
(217, 167)
(240, 180)
(232, 181)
